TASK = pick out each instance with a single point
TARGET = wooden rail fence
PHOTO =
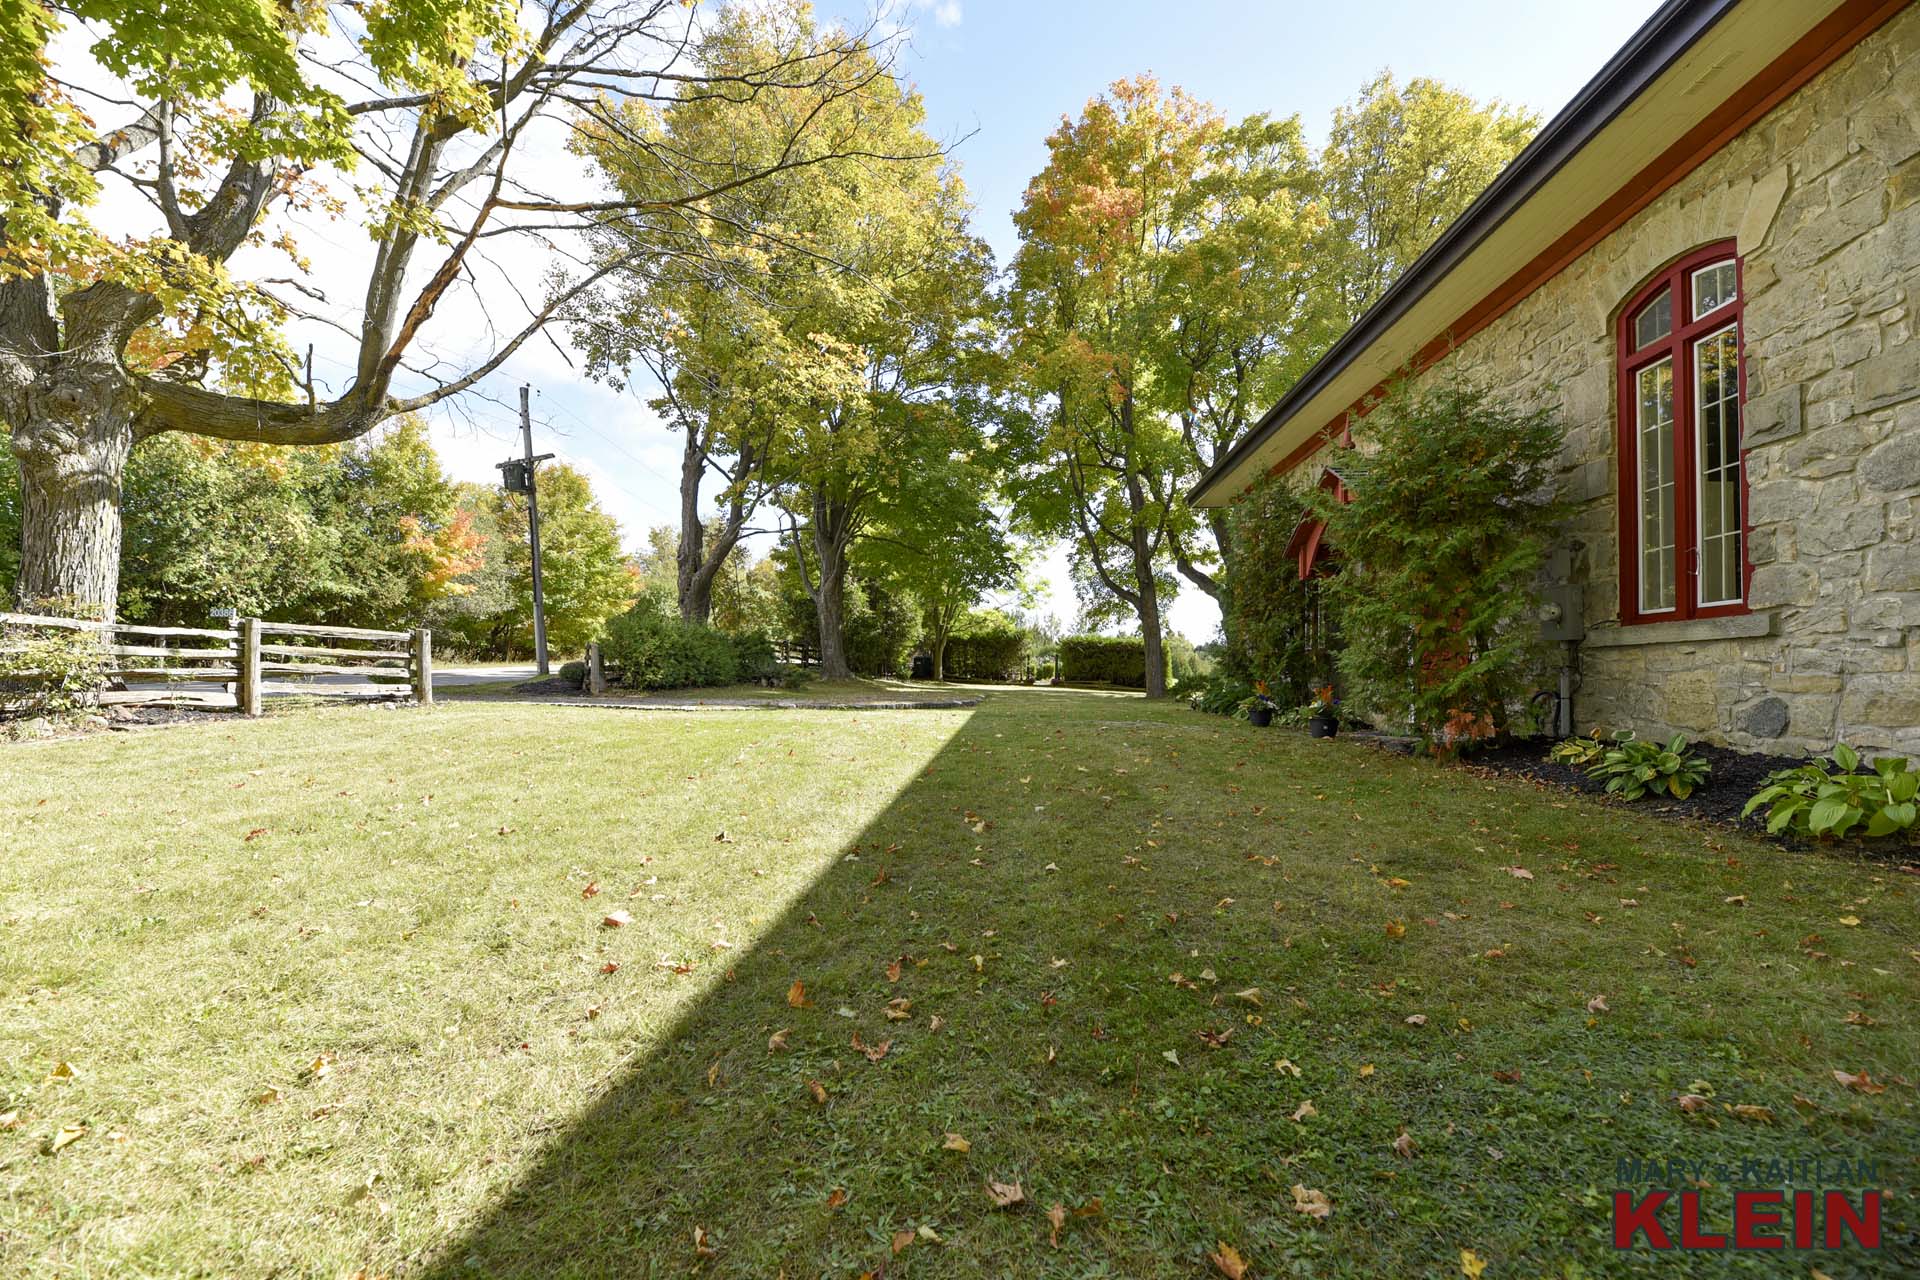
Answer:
(157, 665)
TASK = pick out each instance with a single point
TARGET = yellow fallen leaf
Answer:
(1366, 1069)
(1227, 1260)
(777, 1042)
(1748, 1111)
(818, 1090)
(1852, 922)
(268, 1096)
(702, 1243)
(1396, 929)
(67, 1135)
(1285, 1067)
(1304, 1110)
(1311, 1202)
(1472, 1265)
(61, 1071)
(955, 1142)
(1251, 995)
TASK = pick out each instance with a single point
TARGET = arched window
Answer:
(1683, 483)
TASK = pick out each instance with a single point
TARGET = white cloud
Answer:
(947, 13)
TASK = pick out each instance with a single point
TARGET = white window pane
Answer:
(1716, 364)
(1654, 437)
(1655, 320)
(1713, 287)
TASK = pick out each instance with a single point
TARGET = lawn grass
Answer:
(851, 690)
(334, 1000)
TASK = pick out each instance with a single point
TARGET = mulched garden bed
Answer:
(1736, 776)
(110, 720)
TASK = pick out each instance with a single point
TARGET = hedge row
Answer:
(990, 655)
(1120, 660)
(654, 649)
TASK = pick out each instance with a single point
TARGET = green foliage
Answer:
(1218, 694)
(1831, 797)
(585, 571)
(753, 657)
(1120, 660)
(1581, 753)
(879, 628)
(1450, 511)
(1633, 768)
(986, 645)
(48, 671)
(654, 648)
(573, 673)
(1269, 614)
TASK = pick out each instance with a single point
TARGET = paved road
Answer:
(448, 677)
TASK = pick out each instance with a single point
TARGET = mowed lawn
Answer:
(335, 997)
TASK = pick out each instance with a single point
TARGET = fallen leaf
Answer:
(954, 1142)
(897, 1009)
(1507, 1077)
(936, 1022)
(777, 1042)
(1737, 900)
(1396, 929)
(1518, 873)
(797, 994)
(836, 1197)
(1403, 1146)
(874, 1052)
(1862, 1083)
(9, 1119)
(1416, 1020)
(1748, 1111)
(901, 1239)
(267, 1097)
(1312, 1203)
(254, 834)
(1285, 1067)
(1304, 1110)
(702, 1247)
(67, 1135)
(1598, 1005)
(1005, 1194)
(893, 972)
(1215, 1039)
(1366, 1069)
(1472, 1265)
(1691, 1102)
(617, 919)
(1251, 995)
(1173, 1056)
(611, 966)
(61, 1071)
(593, 887)
(818, 1090)
(1852, 922)
(1227, 1260)
(1057, 1216)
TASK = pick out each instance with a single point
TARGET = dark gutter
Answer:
(1657, 45)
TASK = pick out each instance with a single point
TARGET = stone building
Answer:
(1707, 265)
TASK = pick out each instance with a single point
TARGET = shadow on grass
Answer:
(1022, 905)
(973, 881)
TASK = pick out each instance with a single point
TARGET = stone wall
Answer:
(1822, 196)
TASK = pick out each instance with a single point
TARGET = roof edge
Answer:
(1660, 41)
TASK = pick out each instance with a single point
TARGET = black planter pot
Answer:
(1322, 726)
(1259, 717)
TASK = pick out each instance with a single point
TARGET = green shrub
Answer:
(48, 671)
(1634, 768)
(795, 678)
(753, 657)
(1278, 628)
(1449, 509)
(1120, 660)
(985, 654)
(1830, 797)
(573, 674)
(657, 650)
(1217, 694)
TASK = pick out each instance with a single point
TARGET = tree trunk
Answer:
(1156, 654)
(829, 596)
(940, 656)
(72, 445)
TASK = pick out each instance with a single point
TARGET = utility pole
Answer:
(517, 476)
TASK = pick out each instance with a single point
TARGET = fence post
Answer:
(248, 664)
(422, 665)
(596, 671)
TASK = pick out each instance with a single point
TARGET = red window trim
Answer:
(1679, 344)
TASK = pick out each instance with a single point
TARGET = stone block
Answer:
(1893, 566)
(1894, 466)
(1767, 718)
(1775, 416)
(1840, 526)
(1788, 582)
(1890, 378)
(1890, 699)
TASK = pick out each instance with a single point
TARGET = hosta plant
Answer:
(1830, 797)
(1634, 769)
(1581, 753)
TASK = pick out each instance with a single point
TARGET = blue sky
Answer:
(997, 76)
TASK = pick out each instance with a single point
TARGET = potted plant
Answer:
(1258, 707)
(1323, 713)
